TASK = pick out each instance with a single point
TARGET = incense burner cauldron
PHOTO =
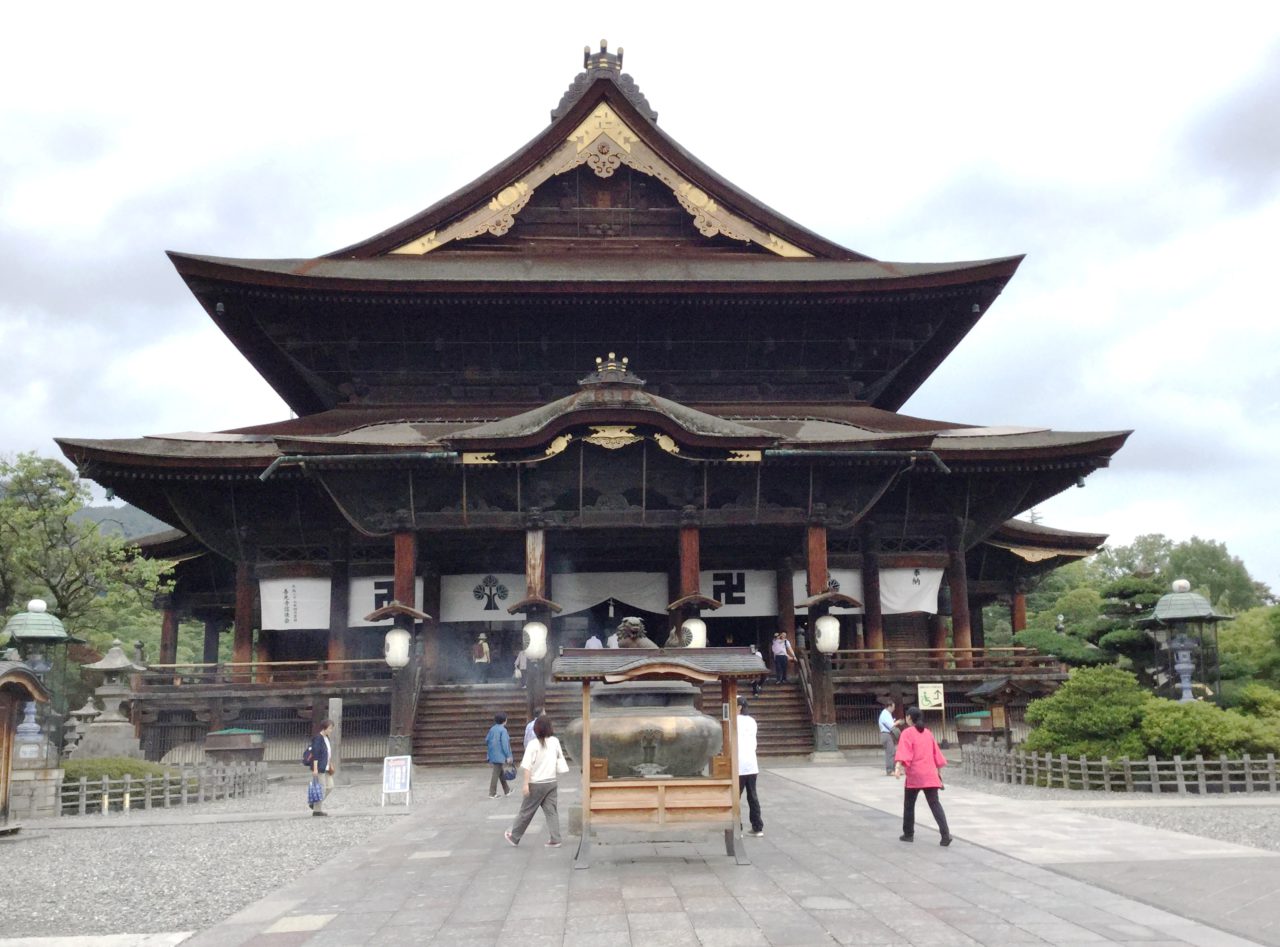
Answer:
(648, 729)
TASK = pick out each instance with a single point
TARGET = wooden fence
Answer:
(1196, 775)
(179, 787)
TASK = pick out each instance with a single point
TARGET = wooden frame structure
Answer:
(662, 803)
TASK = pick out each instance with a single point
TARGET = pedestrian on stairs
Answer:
(782, 650)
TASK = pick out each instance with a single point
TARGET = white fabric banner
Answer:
(909, 590)
(578, 591)
(370, 593)
(742, 593)
(480, 596)
(848, 581)
(290, 604)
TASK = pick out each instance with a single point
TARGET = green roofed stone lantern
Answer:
(1177, 613)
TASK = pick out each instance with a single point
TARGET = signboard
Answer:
(742, 593)
(289, 604)
(397, 777)
(370, 593)
(930, 697)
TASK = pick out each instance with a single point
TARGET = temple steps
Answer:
(452, 720)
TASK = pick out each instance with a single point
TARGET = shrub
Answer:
(1187, 729)
(1259, 700)
(1068, 648)
(1095, 713)
(113, 767)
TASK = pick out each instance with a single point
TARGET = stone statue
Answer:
(631, 634)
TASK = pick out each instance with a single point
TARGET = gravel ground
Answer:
(113, 877)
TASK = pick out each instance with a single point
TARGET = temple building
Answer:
(600, 380)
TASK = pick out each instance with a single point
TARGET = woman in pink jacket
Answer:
(919, 759)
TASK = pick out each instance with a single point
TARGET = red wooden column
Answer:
(242, 645)
(961, 629)
(212, 628)
(690, 560)
(938, 641)
(431, 662)
(404, 702)
(872, 616)
(824, 700)
(168, 635)
(786, 609)
(1018, 611)
(535, 580)
(339, 602)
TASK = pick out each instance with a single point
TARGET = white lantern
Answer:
(535, 640)
(396, 647)
(695, 632)
(827, 633)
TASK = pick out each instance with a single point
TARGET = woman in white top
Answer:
(543, 760)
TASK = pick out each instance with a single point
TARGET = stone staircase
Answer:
(452, 720)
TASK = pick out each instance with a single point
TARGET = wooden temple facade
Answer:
(468, 443)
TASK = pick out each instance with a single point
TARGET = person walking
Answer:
(543, 761)
(528, 727)
(322, 764)
(480, 658)
(498, 746)
(748, 767)
(919, 759)
(782, 650)
(890, 730)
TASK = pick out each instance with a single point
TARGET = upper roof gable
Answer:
(603, 124)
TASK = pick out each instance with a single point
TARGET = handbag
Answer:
(509, 772)
(315, 791)
(561, 765)
(517, 675)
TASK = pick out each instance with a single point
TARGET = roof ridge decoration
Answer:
(608, 65)
(603, 142)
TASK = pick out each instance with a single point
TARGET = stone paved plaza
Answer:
(830, 870)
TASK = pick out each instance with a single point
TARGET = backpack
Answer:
(308, 757)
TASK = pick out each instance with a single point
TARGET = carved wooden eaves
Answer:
(604, 143)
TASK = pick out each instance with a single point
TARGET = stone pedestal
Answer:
(34, 793)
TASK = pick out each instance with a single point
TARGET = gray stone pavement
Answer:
(830, 870)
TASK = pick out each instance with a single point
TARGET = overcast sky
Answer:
(1131, 153)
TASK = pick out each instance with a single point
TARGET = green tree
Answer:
(1095, 713)
(1208, 565)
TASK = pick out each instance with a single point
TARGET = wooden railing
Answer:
(878, 661)
(1178, 775)
(178, 787)
(362, 671)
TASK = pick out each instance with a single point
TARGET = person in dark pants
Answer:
(498, 749)
(748, 767)
(781, 649)
(919, 759)
(322, 763)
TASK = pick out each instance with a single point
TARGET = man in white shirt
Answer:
(594, 641)
(748, 768)
(888, 739)
(528, 729)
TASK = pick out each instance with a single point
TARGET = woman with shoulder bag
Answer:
(543, 761)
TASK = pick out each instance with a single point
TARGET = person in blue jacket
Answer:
(322, 763)
(498, 743)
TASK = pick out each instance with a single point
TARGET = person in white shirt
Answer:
(611, 641)
(748, 767)
(888, 736)
(541, 764)
(594, 641)
(528, 728)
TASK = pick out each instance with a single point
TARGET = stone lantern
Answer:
(43, 642)
(111, 733)
(1177, 616)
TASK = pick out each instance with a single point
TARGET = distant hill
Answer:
(127, 521)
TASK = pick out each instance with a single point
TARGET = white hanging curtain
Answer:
(578, 591)
(480, 596)
(909, 590)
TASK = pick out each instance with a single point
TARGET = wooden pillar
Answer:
(977, 622)
(432, 664)
(786, 609)
(404, 702)
(816, 560)
(690, 561)
(212, 629)
(261, 658)
(824, 701)
(872, 616)
(938, 641)
(535, 578)
(168, 635)
(242, 646)
(1018, 611)
(339, 602)
(961, 629)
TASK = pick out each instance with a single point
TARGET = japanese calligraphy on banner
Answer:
(290, 604)
(368, 594)
(577, 591)
(909, 590)
(742, 593)
(480, 596)
(848, 581)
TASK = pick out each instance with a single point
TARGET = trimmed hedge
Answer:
(112, 767)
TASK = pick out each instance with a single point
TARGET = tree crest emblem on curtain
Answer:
(490, 591)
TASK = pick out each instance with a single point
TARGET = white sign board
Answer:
(397, 777)
(930, 697)
(741, 593)
(480, 596)
(289, 604)
(368, 594)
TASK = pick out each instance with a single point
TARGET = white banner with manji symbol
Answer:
(370, 593)
(480, 596)
(742, 593)
(291, 604)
